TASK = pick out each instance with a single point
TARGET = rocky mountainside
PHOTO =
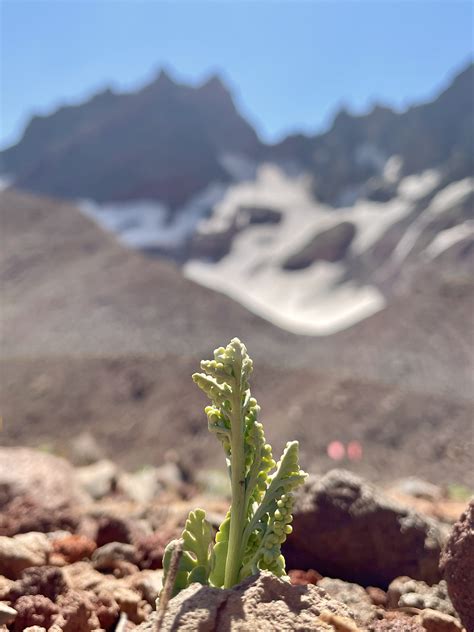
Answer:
(165, 142)
(97, 337)
(314, 234)
(168, 141)
(348, 160)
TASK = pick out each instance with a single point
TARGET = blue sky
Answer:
(289, 64)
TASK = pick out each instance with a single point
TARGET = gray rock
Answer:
(258, 215)
(141, 486)
(407, 592)
(261, 603)
(85, 450)
(328, 245)
(109, 554)
(98, 479)
(418, 488)
(48, 479)
(353, 596)
(146, 484)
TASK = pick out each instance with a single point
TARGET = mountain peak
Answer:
(214, 83)
(164, 78)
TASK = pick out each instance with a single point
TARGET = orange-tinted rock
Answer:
(74, 548)
(299, 577)
(377, 596)
(150, 548)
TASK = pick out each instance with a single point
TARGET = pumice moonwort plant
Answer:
(258, 521)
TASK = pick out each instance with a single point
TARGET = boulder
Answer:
(38, 492)
(260, 603)
(216, 242)
(247, 215)
(457, 566)
(327, 245)
(346, 528)
(213, 245)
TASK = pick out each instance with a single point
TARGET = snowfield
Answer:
(320, 299)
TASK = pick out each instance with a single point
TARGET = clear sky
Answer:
(289, 64)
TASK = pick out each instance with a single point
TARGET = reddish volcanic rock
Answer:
(76, 613)
(23, 514)
(38, 492)
(106, 609)
(43, 580)
(150, 548)
(396, 622)
(346, 528)
(300, 578)
(74, 548)
(377, 595)
(112, 528)
(34, 610)
(457, 566)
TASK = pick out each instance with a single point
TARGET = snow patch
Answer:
(147, 224)
(448, 238)
(393, 169)
(445, 199)
(316, 300)
(417, 186)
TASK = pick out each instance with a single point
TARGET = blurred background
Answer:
(297, 174)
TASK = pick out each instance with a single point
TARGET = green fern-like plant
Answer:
(259, 518)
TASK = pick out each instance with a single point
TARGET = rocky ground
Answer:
(81, 549)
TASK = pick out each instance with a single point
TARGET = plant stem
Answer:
(238, 508)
